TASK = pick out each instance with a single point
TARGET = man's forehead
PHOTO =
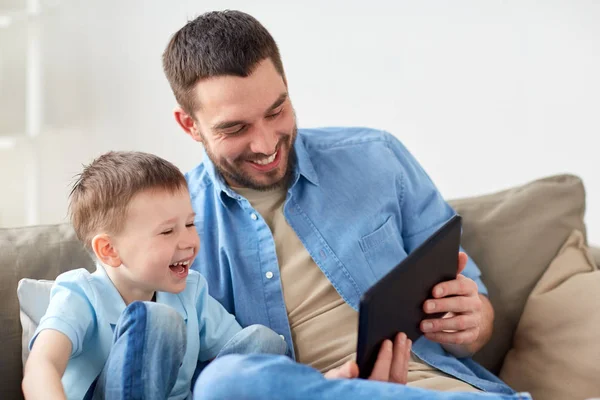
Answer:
(224, 96)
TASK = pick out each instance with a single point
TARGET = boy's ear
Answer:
(105, 250)
(188, 124)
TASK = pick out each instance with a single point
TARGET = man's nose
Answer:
(264, 140)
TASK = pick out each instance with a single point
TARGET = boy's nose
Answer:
(188, 240)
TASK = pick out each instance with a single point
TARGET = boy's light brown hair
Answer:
(102, 193)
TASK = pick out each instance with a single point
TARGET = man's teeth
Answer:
(266, 161)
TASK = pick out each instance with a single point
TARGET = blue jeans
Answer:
(278, 377)
(149, 346)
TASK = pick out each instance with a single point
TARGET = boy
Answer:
(136, 327)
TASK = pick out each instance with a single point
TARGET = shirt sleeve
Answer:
(216, 325)
(69, 311)
(424, 210)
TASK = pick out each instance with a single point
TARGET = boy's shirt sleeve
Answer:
(70, 310)
(216, 325)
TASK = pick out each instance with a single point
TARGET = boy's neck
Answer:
(128, 294)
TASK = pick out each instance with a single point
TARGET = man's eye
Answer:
(167, 232)
(274, 115)
(236, 132)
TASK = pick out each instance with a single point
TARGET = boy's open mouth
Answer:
(180, 267)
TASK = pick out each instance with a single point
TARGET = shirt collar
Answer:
(304, 167)
(113, 303)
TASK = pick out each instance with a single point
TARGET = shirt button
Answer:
(269, 275)
(282, 337)
(253, 216)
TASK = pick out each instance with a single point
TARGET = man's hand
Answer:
(467, 323)
(391, 364)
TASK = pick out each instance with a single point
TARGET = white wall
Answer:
(486, 94)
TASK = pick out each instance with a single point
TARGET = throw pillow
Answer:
(556, 351)
(34, 297)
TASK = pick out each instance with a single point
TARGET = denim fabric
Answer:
(254, 339)
(149, 348)
(261, 377)
(150, 342)
(358, 201)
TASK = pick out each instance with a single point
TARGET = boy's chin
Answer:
(179, 289)
(174, 289)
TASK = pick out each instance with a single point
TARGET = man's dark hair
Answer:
(214, 44)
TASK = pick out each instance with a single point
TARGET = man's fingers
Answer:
(462, 262)
(461, 286)
(456, 304)
(461, 322)
(349, 370)
(399, 368)
(462, 337)
(381, 370)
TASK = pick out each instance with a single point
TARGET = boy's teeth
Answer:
(181, 263)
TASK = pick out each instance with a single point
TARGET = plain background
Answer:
(486, 94)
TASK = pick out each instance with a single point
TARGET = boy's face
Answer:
(157, 244)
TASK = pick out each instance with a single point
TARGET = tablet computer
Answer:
(395, 303)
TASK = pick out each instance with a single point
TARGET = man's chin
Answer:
(262, 183)
(245, 176)
(266, 184)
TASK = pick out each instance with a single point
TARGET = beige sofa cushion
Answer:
(40, 252)
(556, 350)
(513, 236)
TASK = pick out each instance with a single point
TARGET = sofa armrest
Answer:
(595, 254)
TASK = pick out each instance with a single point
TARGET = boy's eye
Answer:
(190, 225)
(167, 232)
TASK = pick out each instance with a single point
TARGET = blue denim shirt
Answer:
(358, 201)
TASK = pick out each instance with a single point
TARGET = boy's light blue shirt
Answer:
(358, 201)
(86, 308)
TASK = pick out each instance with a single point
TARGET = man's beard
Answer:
(239, 178)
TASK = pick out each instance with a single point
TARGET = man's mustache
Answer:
(262, 156)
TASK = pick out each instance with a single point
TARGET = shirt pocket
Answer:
(383, 248)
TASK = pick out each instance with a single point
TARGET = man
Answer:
(298, 223)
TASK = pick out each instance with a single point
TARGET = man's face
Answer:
(247, 126)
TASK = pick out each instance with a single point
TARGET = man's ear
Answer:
(105, 251)
(187, 123)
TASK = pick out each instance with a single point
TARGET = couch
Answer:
(529, 241)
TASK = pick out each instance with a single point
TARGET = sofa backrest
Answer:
(513, 235)
(40, 252)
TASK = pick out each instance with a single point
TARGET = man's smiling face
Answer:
(247, 126)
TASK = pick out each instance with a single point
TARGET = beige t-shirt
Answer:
(324, 327)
